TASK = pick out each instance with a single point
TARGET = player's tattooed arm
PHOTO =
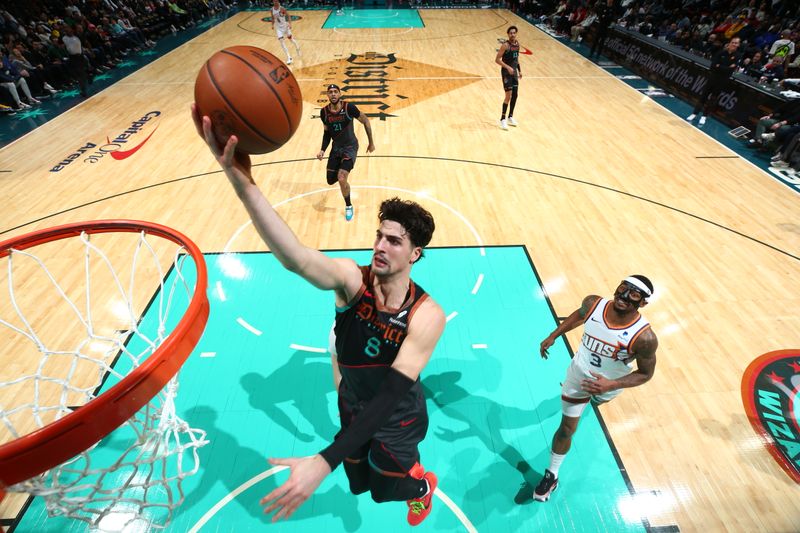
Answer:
(644, 349)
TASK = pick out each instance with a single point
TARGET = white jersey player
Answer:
(283, 28)
(614, 336)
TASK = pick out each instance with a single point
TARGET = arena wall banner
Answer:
(686, 75)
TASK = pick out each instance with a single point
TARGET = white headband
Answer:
(636, 282)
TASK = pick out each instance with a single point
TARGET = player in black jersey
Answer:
(386, 329)
(508, 58)
(337, 118)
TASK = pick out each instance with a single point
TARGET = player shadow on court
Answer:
(485, 419)
(226, 461)
(320, 205)
(302, 382)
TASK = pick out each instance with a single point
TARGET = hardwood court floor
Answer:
(597, 182)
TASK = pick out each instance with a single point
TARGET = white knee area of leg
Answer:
(573, 410)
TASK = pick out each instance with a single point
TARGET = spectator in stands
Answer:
(754, 66)
(768, 126)
(704, 27)
(783, 47)
(34, 76)
(579, 29)
(134, 32)
(723, 64)
(11, 79)
(767, 38)
(773, 71)
(55, 72)
(713, 45)
(788, 154)
(682, 39)
(606, 12)
(76, 62)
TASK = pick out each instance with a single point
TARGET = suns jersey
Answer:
(604, 348)
(368, 339)
(280, 17)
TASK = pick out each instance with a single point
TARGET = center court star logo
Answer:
(380, 84)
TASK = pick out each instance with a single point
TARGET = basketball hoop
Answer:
(52, 459)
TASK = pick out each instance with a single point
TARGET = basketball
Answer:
(250, 93)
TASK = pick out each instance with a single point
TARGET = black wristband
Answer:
(375, 413)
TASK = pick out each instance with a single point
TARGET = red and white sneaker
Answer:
(420, 508)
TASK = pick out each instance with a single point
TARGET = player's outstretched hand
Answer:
(236, 165)
(306, 475)
(543, 347)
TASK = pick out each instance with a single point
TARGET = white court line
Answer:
(220, 292)
(307, 348)
(456, 511)
(479, 346)
(398, 189)
(498, 77)
(208, 354)
(451, 316)
(377, 17)
(459, 514)
(450, 78)
(147, 83)
(408, 30)
(247, 326)
(478, 284)
(234, 493)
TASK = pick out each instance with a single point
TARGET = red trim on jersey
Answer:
(415, 307)
(412, 293)
(605, 310)
(594, 306)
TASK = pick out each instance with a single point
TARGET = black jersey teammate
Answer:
(386, 329)
(508, 58)
(337, 118)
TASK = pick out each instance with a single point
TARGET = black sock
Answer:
(347, 201)
(505, 108)
(513, 102)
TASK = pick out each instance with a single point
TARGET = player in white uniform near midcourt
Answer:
(283, 28)
(614, 336)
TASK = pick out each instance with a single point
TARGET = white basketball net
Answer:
(131, 480)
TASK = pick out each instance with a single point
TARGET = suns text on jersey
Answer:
(595, 345)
